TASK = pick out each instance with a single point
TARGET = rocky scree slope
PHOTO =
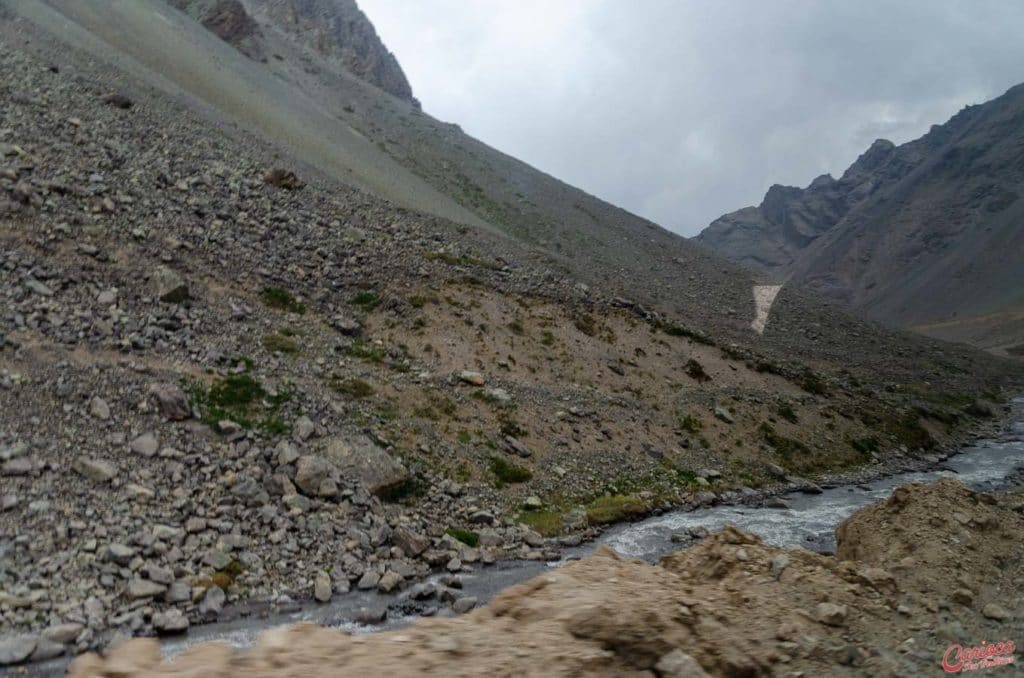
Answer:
(926, 234)
(224, 383)
(892, 602)
(387, 146)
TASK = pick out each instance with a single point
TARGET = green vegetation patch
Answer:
(786, 411)
(467, 537)
(367, 300)
(351, 387)
(242, 399)
(280, 342)
(507, 473)
(615, 508)
(545, 523)
(281, 299)
(787, 448)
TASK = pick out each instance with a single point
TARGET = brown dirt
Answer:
(884, 606)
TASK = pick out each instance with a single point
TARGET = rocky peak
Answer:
(340, 32)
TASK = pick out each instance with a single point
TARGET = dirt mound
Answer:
(730, 606)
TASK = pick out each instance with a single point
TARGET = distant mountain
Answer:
(929, 234)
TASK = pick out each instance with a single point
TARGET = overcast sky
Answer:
(682, 110)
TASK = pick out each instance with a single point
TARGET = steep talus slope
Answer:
(927, 234)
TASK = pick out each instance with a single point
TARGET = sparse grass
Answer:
(507, 473)
(351, 387)
(242, 399)
(366, 351)
(865, 446)
(407, 491)
(517, 327)
(545, 523)
(367, 300)
(281, 299)
(786, 411)
(615, 508)
(696, 371)
(467, 537)
(586, 324)
(453, 260)
(279, 342)
(787, 448)
(908, 430)
(812, 383)
(464, 437)
(690, 424)
(547, 338)
(696, 337)
(511, 427)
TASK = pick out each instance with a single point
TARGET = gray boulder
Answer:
(359, 457)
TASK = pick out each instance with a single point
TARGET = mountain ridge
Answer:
(934, 218)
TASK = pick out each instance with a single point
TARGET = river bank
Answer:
(897, 599)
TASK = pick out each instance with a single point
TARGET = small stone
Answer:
(464, 604)
(995, 612)
(322, 587)
(777, 503)
(170, 621)
(304, 428)
(389, 582)
(411, 543)
(370, 615)
(46, 649)
(678, 664)
(39, 288)
(146, 445)
(119, 553)
(94, 469)
(170, 286)
(724, 414)
(178, 592)
(831, 614)
(963, 597)
(99, 408)
(212, 603)
(472, 378)
(533, 503)
(369, 580)
(22, 466)
(143, 588)
(778, 565)
(310, 471)
(63, 633)
(170, 401)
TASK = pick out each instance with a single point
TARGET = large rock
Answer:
(411, 543)
(359, 457)
(170, 621)
(16, 649)
(170, 401)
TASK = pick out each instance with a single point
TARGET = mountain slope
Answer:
(928, 234)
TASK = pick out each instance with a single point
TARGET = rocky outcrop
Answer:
(228, 20)
(339, 31)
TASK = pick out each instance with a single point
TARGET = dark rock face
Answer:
(339, 31)
(229, 21)
(923, 233)
(335, 30)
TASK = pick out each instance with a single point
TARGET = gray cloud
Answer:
(681, 110)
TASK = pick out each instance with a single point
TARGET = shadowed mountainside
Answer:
(927, 234)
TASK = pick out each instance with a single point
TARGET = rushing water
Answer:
(809, 522)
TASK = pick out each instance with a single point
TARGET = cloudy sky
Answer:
(681, 110)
